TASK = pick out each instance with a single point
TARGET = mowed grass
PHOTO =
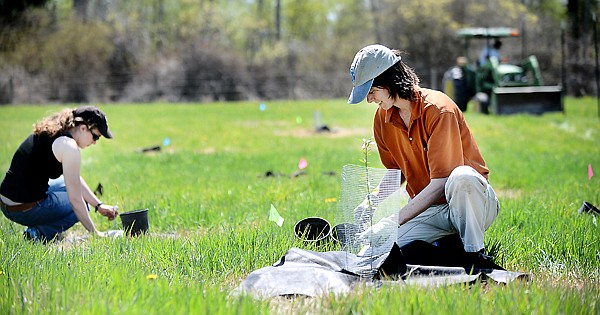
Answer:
(209, 200)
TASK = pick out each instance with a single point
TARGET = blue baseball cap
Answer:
(368, 63)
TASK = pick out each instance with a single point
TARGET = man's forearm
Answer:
(423, 200)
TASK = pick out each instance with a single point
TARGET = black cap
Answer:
(94, 116)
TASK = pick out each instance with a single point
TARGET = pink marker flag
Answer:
(590, 172)
(302, 164)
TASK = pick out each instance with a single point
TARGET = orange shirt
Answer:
(436, 141)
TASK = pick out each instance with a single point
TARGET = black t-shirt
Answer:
(33, 164)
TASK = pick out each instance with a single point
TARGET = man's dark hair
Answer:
(399, 80)
(497, 44)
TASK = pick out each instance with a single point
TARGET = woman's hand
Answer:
(110, 212)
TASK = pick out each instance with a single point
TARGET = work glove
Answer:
(379, 233)
(363, 213)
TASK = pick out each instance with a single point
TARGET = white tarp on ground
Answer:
(310, 273)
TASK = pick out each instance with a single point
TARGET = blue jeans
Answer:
(50, 216)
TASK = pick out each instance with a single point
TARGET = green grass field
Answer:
(209, 200)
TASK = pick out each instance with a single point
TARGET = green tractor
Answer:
(499, 87)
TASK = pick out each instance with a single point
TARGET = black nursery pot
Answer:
(344, 233)
(588, 207)
(135, 222)
(313, 230)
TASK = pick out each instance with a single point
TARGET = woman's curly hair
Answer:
(399, 80)
(56, 123)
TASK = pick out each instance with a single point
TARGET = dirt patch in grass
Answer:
(76, 237)
(509, 193)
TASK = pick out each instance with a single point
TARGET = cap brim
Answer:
(359, 93)
(105, 132)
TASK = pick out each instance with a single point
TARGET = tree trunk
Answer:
(375, 15)
(80, 7)
(278, 20)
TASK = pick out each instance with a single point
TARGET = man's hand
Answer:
(380, 232)
(110, 212)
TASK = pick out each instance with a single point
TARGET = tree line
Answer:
(206, 50)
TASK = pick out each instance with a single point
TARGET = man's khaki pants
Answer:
(472, 207)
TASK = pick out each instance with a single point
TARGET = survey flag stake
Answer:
(274, 216)
(590, 171)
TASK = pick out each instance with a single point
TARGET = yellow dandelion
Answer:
(330, 200)
(151, 276)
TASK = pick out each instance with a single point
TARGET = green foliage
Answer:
(10, 10)
(23, 37)
(306, 20)
(76, 47)
(209, 201)
(552, 8)
(308, 59)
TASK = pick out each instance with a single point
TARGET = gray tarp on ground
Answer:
(310, 273)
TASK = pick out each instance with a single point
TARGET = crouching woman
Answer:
(42, 188)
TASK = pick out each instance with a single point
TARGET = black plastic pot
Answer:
(588, 207)
(345, 233)
(313, 230)
(135, 222)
